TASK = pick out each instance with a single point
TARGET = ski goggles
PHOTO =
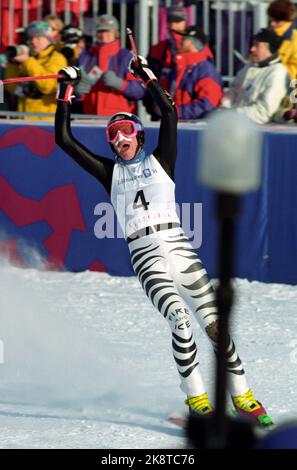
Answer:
(127, 128)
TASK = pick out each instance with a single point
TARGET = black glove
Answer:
(139, 68)
(71, 76)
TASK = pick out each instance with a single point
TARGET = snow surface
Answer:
(87, 360)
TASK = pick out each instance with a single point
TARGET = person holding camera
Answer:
(72, 44)
(37, 58)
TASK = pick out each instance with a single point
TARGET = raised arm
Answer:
(100, 167)
(167, 144)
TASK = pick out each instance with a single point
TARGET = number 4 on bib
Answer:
(143, 203)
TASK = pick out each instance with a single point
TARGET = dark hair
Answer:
(282, 10)
(197, 33)
(270, 37)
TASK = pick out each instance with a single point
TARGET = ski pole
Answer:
(133, 45)
(28, 79)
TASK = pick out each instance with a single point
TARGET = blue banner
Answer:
(50, 204)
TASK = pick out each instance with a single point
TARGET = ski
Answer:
(264, 422)
(178, 420)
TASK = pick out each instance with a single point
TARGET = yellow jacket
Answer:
(288, 49)
(47, 62)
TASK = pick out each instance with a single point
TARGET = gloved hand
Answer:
(112, 80)
(290, 115)
(71, 76)
(140, 69)
(94, 74)
(133, 64)
(85, 84)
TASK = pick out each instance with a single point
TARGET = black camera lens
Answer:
(67, 52)
(11, 52)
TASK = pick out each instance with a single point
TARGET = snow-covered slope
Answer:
(87, 360)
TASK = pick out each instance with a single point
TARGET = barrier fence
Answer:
(229, 24)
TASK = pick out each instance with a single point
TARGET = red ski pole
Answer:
(28, 79)
(132, 43)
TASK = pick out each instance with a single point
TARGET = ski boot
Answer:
(246, 406)
(199, 405)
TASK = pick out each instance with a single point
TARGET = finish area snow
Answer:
(86, 360)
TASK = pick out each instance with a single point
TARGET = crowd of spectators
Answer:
(184, 64)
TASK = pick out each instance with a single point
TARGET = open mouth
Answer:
(125, 147)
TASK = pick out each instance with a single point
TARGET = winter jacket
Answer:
(162, 59)
(258, 90)
(37, 96)
(198, 84)
(103, 100)
(288, 49)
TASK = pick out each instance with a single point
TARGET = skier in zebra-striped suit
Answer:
(142, 191)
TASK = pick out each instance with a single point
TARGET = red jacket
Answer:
(104, 101)
(161, 58)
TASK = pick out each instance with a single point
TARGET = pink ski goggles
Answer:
(127, 128)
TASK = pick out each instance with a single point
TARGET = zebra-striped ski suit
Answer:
(167, 266)
(175, 281)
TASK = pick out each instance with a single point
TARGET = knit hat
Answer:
(107, 23)
(39, 29)
(176, 14)
(282, 10)
(270, 37)
(196, 36)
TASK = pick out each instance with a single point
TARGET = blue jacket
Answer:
(198, 85)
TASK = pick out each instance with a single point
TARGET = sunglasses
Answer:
(126, 128)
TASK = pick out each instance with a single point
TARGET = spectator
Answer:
(260, 86)
(57, 26)
(72, 44)
(36, 96)
(161, 57)
(198, 84)
(107, 66)
(281, 15)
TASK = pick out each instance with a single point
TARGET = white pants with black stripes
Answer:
(175, 281)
